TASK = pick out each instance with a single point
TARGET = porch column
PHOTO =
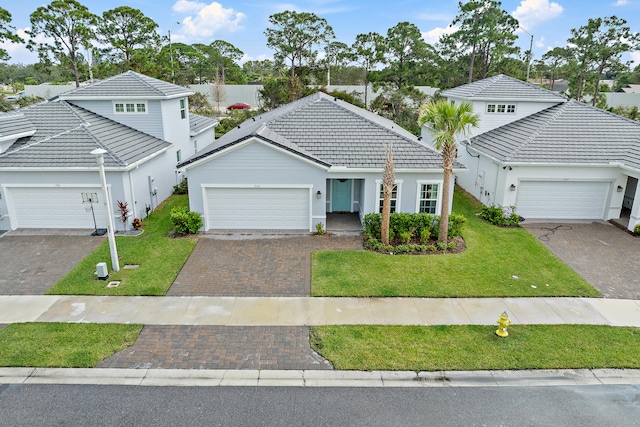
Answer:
(634, 217)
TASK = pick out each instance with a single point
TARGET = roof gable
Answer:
(332, 132)
(571, 132)
(502, 87)
(128, 85)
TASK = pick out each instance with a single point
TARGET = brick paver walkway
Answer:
(31, 264)
(219, 347)
(604, 255)
(256, 267)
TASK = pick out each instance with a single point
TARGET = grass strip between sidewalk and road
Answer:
(160, 257)
(462, 348)
(497, 262)
(63, 345)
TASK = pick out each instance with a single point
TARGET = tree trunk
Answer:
(597, 91)
(366, 87)
(386, 213)
(443, 230)
(473, 59)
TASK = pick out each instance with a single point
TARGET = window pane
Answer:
(119, 108)
(131, 108)
(501, 108)
(394, 196)
(511, 108)
(141, 108)
(491, 108)
(182, 103)
(183, 114)
(428, 198)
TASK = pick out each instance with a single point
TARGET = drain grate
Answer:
(113, 284)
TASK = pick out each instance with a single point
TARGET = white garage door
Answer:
(562, 200)
(55, 207)
(258, 208)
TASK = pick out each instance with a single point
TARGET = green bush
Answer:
(320, 229)
(497, 215)
(182, 188)
(636, 230)
(185, 221)
(402, 224)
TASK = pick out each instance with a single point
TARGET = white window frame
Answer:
(379, 198)
(495, 108)
(138, 107)
(419, 185)
(183, 108)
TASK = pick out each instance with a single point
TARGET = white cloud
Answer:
(621, 3)
(186, 6)
(635, 57)
(209, 20)
(260, 57)
(19, 52)
(433, 36)
(532, 12)
(541, 42)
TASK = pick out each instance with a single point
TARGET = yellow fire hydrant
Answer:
(503, 324)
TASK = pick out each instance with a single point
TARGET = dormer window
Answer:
(130, 107)
(501, 108)
(183, 109)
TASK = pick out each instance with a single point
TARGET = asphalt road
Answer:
(92, 405)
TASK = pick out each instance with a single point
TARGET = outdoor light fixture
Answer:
(99, 155)
(319, 195)
(619, 189)
(513, 187)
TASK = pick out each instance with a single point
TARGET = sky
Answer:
(242, 23)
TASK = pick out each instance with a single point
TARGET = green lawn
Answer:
(485, 269)
(460, 348)
(159, 255)
(63, 345)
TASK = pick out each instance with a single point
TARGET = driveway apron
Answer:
(249, 267)
(30, 265)
(604, 255)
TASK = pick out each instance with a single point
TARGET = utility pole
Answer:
(530, 52)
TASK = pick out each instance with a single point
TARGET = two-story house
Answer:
(48, 177)
(551, 157)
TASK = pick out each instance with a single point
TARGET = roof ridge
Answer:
(139, 77)
(488, 82)
(34, 143)
(562, 107)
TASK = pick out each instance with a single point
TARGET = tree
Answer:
(410, 58)
(553, 60)
(227, 54)
(296, 38)
(388, 182)
(447, 121)
(257, 71)
(126, 29)
(368, 52)
(70, 25)
(219, 93)
(598, 47)
(486, 32)
(336, 54)
(7, 33)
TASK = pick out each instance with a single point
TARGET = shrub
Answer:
(405, 237)
(425, 233)
(497, 215)
(182, 188)
(418, 224)
(320, 229)
(136, 223)
(636, 230)
(185, 221)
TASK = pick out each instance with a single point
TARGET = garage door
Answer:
(258, 208)
(562, 200)
(55, 207)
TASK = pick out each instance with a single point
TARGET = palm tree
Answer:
(446, 121)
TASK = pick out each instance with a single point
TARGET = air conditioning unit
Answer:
(101, 271)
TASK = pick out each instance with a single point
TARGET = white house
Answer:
(288, 168)
(48, 177)
(551, 157)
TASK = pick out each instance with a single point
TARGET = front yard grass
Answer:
(63, 345)
(159, 256)
(462, 348)
(485, 269)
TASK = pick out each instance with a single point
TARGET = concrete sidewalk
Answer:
(304, 311)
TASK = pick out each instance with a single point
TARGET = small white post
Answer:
(115, 264)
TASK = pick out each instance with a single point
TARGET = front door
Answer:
(341, 195)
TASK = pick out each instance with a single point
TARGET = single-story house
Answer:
(551, 157)
(287, 168)
(49, 179)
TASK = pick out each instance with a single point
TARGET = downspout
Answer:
(133, 196)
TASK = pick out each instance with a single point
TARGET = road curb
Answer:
(312, 378)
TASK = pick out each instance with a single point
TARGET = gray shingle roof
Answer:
(570, 132)
(66, 134)
(128, 85)
(14, 124)
(198, 124)
(333, 133)
(502, 87)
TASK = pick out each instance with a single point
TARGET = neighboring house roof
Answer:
(502, 87)
(14, 124)
(571, 132)
(332, 133)
(128, 85)
(199, 124)
(630, 89)
(66, 134)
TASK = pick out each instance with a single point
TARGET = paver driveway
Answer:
(604, 255)
(30, 265)
(254, 267)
